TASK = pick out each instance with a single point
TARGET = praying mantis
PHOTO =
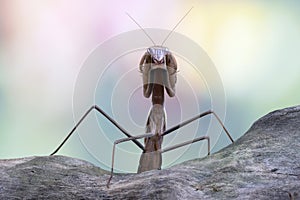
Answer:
(159, 70)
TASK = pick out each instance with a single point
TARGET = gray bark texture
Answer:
(263, 164)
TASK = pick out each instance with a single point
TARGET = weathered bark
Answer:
(262, 164)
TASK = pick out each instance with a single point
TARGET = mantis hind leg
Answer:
(97, 108)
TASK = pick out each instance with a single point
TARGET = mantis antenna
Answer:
(141, 28)
(176, 26)
(169, 32)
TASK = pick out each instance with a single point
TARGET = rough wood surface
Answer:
(262, 164)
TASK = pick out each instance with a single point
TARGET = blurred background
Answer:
(254, 46)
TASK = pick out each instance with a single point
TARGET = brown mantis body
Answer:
(159, 69)
(153, 80)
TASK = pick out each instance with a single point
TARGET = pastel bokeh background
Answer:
(254, 45)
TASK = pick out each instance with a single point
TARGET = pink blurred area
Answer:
(43, 45)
